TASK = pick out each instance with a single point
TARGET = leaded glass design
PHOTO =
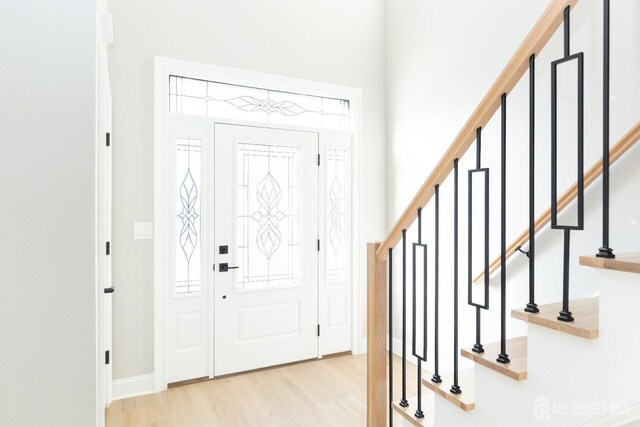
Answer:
(268, 216)
(188, 206)
(223, 100)
(336, 214)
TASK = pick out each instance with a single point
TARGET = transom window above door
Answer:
(228, 101)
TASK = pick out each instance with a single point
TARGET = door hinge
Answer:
(318, 245)
(107, 357)
(318, 330)
(318, 159)
(108, 248)
(108, 139)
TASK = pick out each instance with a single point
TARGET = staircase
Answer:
(575, 365)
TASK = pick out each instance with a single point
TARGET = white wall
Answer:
(47, 183)
(442, 57)
(330, 41)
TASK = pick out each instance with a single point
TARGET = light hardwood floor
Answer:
(327, 392)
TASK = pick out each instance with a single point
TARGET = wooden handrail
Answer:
(621, 147)
(535, 41)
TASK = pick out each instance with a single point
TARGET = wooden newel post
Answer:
(377, 405)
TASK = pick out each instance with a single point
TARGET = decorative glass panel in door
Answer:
(188, 215)
(336, 185)
(268, 218)
(262, 105)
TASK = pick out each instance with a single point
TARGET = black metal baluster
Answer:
(565, 315)
(605, 251)
(420, 357)
(503, 357)
(455, 388)
(403, 401)
(477, 347)
(532, 307)
(390, 337)
(436, 374)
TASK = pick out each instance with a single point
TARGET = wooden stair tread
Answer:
(517, 351)
(622, 262)
(408, 412)
(464, 400)
(585, 312)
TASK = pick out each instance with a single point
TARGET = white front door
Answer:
(266, 247)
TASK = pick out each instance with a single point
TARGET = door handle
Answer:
(109, 290)
(224, 267)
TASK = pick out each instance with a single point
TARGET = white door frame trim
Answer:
(163, 67)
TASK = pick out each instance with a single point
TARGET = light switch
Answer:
(143, 230)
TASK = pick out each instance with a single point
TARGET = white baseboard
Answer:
(133, 386)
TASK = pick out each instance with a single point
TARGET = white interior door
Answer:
(106, 287)
(266, 235)
(189, 284)
(104, 217)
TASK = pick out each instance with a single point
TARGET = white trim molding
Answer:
(133, 386)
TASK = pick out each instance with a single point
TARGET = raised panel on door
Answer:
(267, 215)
